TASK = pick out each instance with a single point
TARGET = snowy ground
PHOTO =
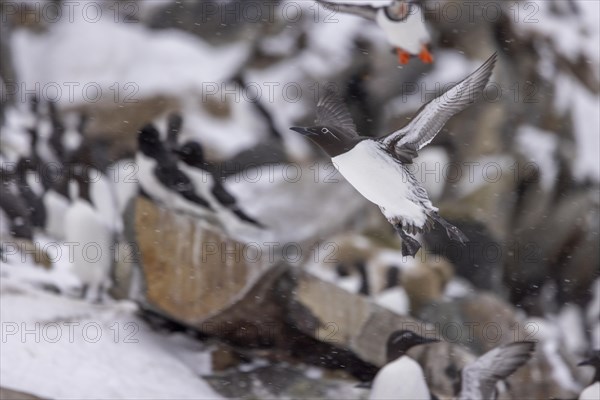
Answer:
(56, 346)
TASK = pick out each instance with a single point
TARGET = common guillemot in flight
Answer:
(377, 168)
(402, 377)
(478, 379)
(402, 22)
(593, 390)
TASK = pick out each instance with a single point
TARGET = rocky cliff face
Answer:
(325, 284)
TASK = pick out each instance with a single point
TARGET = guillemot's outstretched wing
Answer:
(364, 11)
(331, 111)
(480, 377)
(432, 117)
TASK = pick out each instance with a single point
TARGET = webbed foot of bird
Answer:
(410, 246)
(403, 56)
(453, 232)
(425, 55)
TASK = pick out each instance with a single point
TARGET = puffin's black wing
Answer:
(480, 377)
(364, 11)
(331, 111)
(432, 117)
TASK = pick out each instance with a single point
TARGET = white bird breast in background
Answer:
(409, 34)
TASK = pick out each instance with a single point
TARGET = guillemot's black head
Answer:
(149, 142)
(593, 361)
(192, 154)
(79, 184)
(399, 342)
(333, 140)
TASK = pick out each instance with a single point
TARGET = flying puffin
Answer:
(402, 22)
(378, 167)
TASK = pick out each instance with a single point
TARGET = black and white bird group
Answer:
(403, 378)
(31, 179)
(178, 176)
(56, 187)
(61, 188)
(378, 168)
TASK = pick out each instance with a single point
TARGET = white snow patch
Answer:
(550, 337)
(224, 136)
(105, 53)
(75, 350)
(572, 35)
(458, 288)
(571, 320)
(394, 299)
(583, 106)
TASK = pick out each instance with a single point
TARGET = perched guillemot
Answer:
(161, 179)
(402, 22)
(90, 231)
(14, 208)
(210, 187)
(377, 167)
(31, 190)
(402, 377)
(593, 390)
(478, 379)
(55, 141)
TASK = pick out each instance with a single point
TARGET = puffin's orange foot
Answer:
(425, 55)
(403, 56)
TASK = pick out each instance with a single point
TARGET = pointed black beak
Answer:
(302, 131)
(585, 362)
(364, 385)
(427, 341)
